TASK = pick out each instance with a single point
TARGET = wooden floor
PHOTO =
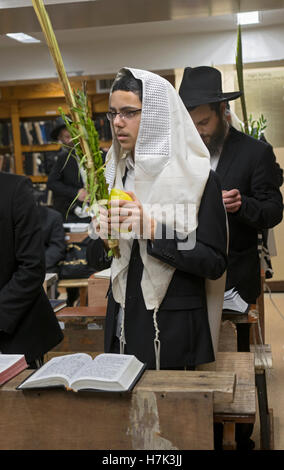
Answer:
(274, 335)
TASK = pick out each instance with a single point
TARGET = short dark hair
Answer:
(125, 81)
(214, 106)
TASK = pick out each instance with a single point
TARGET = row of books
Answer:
(6, 136)
(6, 162)
(36, 132)
(34, 164)
(32, 133)
(39, 163)
(39, 132)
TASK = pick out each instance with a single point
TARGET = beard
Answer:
(215, 141)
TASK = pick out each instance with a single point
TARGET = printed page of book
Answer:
(58, 370)
(106, 369)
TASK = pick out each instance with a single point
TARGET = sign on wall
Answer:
(264, 91)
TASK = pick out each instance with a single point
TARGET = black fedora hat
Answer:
(59, 125)
(203, 85)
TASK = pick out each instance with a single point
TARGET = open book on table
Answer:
(107, 372)
(11, 365)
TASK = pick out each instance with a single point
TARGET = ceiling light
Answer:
(22, 37)
(250, 17)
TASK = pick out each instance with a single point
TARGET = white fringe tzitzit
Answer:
(157, 343)
(122, 341)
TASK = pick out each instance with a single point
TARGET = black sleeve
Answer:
(56, 179)
(55, 246)
(97, 256)
(207, 257)
(20, 292)
(263, 208)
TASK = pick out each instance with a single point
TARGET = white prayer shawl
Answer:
(172, 166)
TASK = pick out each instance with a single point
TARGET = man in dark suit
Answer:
(165, 325)
(27, 322)
(53, 237)
(249, 176)
(66, 180)
(248, 173)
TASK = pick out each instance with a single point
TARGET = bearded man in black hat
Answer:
(249, 176)
(248, 172)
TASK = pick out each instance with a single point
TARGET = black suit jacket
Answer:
(27, 322)
(51, 223)
(182, 317)
(249, 165)
(64, 181)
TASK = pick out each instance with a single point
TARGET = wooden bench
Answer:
(81, 284)
(243, 407)
(83, 329)
(229, 341)
(263, 362)
(245, 324)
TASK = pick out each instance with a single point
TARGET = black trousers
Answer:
(115, 348)
(36, 364)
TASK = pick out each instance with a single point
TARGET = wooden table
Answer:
(167, 410)
(97, 289)
(241, 410)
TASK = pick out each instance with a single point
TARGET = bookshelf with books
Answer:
(31, 109)
(6, 146)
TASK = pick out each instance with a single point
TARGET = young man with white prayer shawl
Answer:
(158, 296)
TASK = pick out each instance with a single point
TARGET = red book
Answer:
(11, 365)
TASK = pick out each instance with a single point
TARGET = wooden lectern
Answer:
(167, 410)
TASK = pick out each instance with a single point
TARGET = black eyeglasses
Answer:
(111, 115)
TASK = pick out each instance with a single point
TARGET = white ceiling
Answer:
(97, 36)
(27, 3)
(77, 21)
(169, 27)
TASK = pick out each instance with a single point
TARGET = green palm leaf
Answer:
(239, 66)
